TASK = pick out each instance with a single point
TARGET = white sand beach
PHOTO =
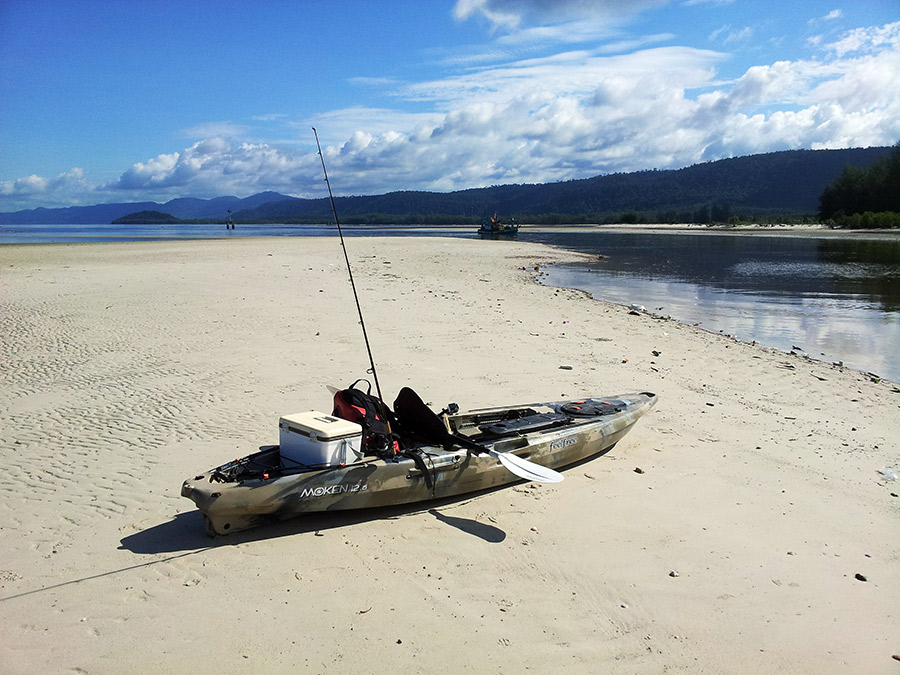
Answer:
(758, 537)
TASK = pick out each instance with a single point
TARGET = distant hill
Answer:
(183, 208)
(785, 183)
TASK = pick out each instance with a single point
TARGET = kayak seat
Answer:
(417, 421)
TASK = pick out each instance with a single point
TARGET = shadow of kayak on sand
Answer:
(185, 532)
(491, 534)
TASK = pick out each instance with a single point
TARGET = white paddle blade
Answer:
(527, 470)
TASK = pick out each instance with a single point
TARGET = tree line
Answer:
(866, 197)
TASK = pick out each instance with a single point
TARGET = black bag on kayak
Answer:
(369, 412)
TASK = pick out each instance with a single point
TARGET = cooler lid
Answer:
(324, 426)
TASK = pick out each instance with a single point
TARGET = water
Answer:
(835, 298)
(67, 234)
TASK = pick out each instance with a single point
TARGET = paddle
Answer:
(525, 469)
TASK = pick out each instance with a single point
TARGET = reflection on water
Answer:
(837, 299)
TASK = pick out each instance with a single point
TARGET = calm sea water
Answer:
(835, 298)
(64, 234)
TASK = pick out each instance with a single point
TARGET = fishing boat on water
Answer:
(494, 227)
(366, 455)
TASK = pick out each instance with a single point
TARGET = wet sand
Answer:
(129, 367)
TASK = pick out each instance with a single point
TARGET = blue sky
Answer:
(126, 100)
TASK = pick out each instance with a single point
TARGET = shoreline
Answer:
(132, 366)
(792, 353)
(813, 231)
(688, 228)
(874, 377)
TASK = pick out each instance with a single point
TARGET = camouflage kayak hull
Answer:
(231, 498)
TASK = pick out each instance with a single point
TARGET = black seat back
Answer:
(417, 420)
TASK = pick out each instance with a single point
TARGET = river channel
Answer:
(835, 298)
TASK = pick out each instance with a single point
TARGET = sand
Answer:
(129, 367)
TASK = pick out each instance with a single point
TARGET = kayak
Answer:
(329, 463)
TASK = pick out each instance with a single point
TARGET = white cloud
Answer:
(211, 167)
(66, 189)
(464, 9)
(223, 129)
(27, 186)
(574, 73)
(72, 183)
(730, 36)
(154, 172)
(741, 35)
(341, 124)
(553, 21)
(868, 39)
(512, 13)
(271, 117)
(634, 44)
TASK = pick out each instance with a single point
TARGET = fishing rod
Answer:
(362, 322)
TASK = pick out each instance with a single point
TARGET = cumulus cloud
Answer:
(70, 187)
(212, 167)
(29, 185)
(336, 125)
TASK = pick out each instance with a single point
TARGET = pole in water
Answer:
(362, 323)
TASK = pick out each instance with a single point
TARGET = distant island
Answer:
(148, 218)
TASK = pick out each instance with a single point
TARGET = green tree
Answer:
(875, 189)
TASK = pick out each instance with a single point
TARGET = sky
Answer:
(149, 100)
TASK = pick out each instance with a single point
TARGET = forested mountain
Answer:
(786, 184)
(188, 207)
(865, 197)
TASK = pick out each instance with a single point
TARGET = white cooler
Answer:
(317, 439)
